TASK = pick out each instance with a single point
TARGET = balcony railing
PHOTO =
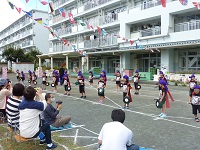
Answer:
(150, 4)
(91, 4)
(59, 2)
(27, 43)
(186, 26)
(151, 31)
(101, 42)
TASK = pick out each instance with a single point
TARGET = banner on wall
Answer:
(4, 72)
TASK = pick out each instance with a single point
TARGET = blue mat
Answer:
(61, 128)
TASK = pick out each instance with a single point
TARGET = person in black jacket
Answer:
(61, 73)
(51, 114)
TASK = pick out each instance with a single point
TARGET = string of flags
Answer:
(86, 23)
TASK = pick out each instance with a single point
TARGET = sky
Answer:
(8, 15)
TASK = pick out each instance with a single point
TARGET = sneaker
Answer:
(68, 94)
(160, 114)
(42, 142)
(197, 119)
(65, 93)
(135, 93)
(163, 116)
(51, 147)
(81, 97)
(84, 96)
(127, 107)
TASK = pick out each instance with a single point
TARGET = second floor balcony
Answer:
(146, 32)
(186, 26)
(27, 43)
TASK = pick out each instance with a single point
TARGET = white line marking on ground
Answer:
(86, 146)
(61, 145)
(84, 137)
(145, 114)
(75, 138)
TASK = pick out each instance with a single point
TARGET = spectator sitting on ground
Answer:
(13, 102)
(114, 135)
(51, 114)
(29, 121)
(5, 91)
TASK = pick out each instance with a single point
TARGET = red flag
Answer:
(99, 30)
(131, 41)
(71, 18)
(196, 4)
(163, 2)
(18, 9)
(64, 41)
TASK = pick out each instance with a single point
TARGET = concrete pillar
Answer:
(167, 59)
(167, 25)
(67, 62)
(51, 63)
(39, 61)
(125, 60)
(104, 64)
(87, 59)
(125, 30)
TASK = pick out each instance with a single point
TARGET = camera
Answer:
(59, 102)
(8, 80)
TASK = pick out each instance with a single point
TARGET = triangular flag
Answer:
(64, 41)
(183, 2)
(39, 20)
(163, 2)
(11, 4)
(123, 38)
(81, 22)
(62, 12)
(52, 8)
(43, 2)
(71, 18)
(28, 13)
(131, 41)
(104, 32)
(18, 9)
(74, 47)
(196, 4)
(27, 1)
(99, 30)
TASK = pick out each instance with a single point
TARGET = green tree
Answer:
(8, 54)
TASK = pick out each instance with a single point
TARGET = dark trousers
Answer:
(61, 81)
(45, 128)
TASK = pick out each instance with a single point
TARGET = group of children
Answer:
(20, 76)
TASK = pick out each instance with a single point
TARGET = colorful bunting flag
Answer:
(62, 12)
(39, 20)
(104, 32)
(99, 30)
(71, 18)
(64, 41)
(183, 2)
(163, 2)
(81, 22)
(52, 8)
(74, 47)
(131, 41)
(18, 9)
(196, 4)
(43, 2)
(11, 4)
(28, 13)
(27, 1)
(136, 46)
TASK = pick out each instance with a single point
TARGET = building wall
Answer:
(41, 33)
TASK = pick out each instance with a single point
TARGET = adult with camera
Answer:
(116, 136)
(51, 114)
(30, 125)
(5, 91)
